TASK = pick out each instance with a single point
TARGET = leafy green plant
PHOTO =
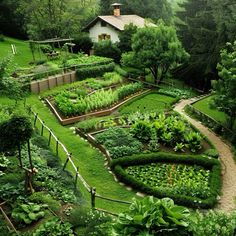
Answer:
(27, 213)
(54, 227)
(142, 130)
(193, 140)
(119, 142)
(178, 179)
(153, 217)
(213, 223)
(179, 147)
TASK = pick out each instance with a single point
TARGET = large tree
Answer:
(125, 37)
(148, 9)
(56, 18)
(204, 27)
(225, 87)
(158, 49)
(11, 20)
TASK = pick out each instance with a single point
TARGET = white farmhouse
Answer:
(108, 27)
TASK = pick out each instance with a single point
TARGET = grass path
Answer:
(89, 160)
(226, 202)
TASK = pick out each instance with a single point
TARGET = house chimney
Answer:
(116, 9)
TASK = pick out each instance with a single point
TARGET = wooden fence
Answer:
(69, 159)
(39, 86)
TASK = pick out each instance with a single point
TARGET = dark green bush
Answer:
(95, 71)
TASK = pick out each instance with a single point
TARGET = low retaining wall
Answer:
(51, 82)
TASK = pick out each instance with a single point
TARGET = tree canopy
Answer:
(225, 87)
(204, 28)
(153, 9)
(158, 49)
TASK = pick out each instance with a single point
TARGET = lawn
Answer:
(89, 160)
(204, 106)
(23, 56)
(150, 102)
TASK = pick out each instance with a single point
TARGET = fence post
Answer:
(42, 128)
(76, 177)
(35, 119)
(67, 160)
(57, 143)
(93, 196)
(49, 137)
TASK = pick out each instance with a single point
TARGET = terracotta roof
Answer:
(119, 22)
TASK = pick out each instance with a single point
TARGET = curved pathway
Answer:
(226, 202)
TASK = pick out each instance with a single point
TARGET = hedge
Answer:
(140, 159)
(95, 71)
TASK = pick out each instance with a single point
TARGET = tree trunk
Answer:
(154, 72)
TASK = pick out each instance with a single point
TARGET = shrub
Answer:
(142, 130)
(106, 48)
(83, 43)
(95, 71)
(46, 48)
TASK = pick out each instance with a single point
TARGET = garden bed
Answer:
(193, 181)
(106, 112)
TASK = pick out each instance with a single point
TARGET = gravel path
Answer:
(226, 202)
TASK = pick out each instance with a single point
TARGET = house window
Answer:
(104, 37)
(103, 24)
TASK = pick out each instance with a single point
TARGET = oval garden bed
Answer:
(193, 181)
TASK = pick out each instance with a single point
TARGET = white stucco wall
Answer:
(97, 29)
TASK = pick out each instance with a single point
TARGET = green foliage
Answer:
(46, 48)
(125, 37)
(213, 223)
(95, 71)
(204, 28)
(106, 48)
(119, 142)
(214, 183)
(193, 140)
(176, 92)
(142, 130)
(10, 191)
(224, 99)
(27, 213)
(14, 132)
(126, 90)
(153, 217)
(45, 199)
(174, 179)
(211, 153)
(54, 227)
(86, 61)
(99, 99)
(83, 43)
(4, 162)
(158, 57)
